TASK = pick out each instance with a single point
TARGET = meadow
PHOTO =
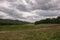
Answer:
(30, 32)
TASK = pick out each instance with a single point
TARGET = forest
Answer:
(49, 21)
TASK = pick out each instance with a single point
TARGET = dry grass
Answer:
(30, 35)
(35, 34)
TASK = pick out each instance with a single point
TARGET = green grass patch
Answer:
(16, 27)
(48, 26)
(27, 27)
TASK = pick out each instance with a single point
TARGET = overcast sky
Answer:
(29, 10)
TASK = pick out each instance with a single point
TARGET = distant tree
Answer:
(58, 20)
(49, 21)
(37, 22)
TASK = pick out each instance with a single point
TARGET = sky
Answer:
(29, 10)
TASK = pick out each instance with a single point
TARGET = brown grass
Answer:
(41, 33)
(46, 34)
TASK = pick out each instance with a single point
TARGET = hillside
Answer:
(11, 22)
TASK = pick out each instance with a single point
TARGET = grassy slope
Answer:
(30, 32)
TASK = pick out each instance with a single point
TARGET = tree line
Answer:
(17, 22)
(49, 21)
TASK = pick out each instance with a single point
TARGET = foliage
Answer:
(49, 21)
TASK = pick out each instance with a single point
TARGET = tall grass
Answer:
(30, 32)
(31, 35)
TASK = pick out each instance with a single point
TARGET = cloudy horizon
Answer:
(29, 10)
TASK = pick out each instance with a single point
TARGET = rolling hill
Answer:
(12, 22)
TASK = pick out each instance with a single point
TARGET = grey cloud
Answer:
(22, 8)
(47, 13)
(11, 13)
(48, 7)
(11, 0)
(38, 5)
(1, 16)
(33, 18)
(44, 5)
(2, 1)
(51, 6)
(41, 4)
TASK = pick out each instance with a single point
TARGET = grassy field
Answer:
(16, 27)
(30, 32)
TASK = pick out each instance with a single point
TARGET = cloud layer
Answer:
(29, 10)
